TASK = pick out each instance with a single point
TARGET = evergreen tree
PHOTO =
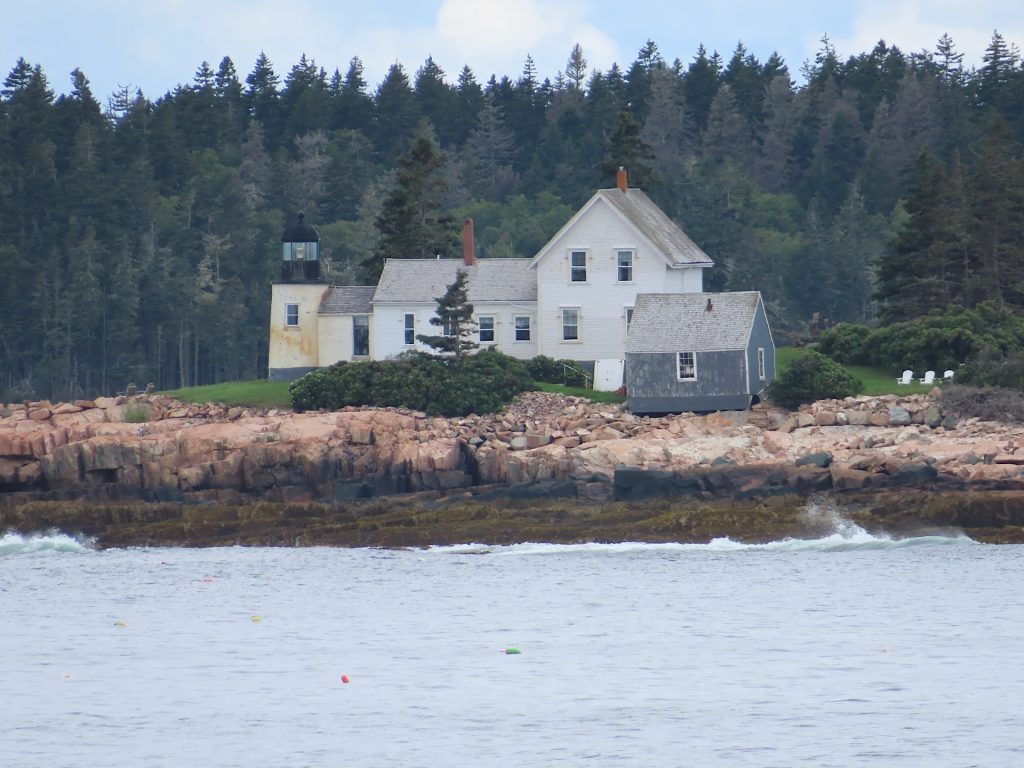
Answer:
(628, 150)
(700, 86)
(454, 317)
(354, 107)
(263, 99)
(395, 113)
(411, 223)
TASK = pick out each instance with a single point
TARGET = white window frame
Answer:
(619, 266)
(518, 329)
(760, 364)
(573, 252)
(576, 325)
(409, 329)
(628, 313)
(481, 330)
(291, 315)
(692, 365)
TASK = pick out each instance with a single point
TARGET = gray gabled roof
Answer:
(424, 280)
(681, 322)
(347, 300)
(640, 212)
(656, 226)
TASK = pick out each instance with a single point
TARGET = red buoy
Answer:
(344, 678)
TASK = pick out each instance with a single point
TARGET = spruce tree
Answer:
(455, 319)
(411, 223)
(628, 150)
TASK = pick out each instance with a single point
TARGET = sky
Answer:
(154, 46)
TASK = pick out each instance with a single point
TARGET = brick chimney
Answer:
(467, 243)
(620, 179)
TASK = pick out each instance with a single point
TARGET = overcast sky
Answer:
(157, 45)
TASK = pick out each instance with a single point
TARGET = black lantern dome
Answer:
(300, 253)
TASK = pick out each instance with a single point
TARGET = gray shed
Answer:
(697, 352)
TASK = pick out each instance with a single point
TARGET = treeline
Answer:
(138, 240)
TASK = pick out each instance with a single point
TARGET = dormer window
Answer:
(577, 266)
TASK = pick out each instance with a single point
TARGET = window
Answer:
(570, 324)
(486, 329)
(629, 318)
(578, 266)
(361, 336)
(624, 261)
(522, 327)
(686, 365)
(760, 363)
(410, 329)
(447, 327)
(291, 314)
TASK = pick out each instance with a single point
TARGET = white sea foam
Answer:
(19, 544)
(844, 536)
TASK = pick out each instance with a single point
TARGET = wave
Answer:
(844, 536)
(20, 544)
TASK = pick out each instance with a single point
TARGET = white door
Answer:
(607, 375)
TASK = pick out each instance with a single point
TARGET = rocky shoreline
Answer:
(149, 470)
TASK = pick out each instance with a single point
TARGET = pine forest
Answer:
(139, 237)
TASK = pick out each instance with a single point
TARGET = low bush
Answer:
(812, 376)
(845, 343)
(990, 368)
(940, 340)
(551, 371)
(480, 383)
(988, 403)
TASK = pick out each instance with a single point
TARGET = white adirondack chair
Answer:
(906, 378)
(929, 377)
(947, 376)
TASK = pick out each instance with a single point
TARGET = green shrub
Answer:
(551, 371)
(812, 376)
(845, 343)
(937, 341)
(480, 383)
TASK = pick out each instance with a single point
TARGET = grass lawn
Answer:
(255, 394)
(590, 394)
(877, 381)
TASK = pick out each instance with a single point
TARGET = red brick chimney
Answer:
(467, 243)
(620, 179)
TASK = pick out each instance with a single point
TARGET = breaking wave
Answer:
(843, 536)
(20, 544)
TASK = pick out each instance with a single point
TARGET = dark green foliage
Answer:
(454, 318)
(845, 343)
(411, 223)
(551, 371)
(938, 341)
(481, 383)
(811, 377)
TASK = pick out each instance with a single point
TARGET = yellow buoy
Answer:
(119, 623)
(255, 619)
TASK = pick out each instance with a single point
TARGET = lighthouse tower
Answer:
(294, 304)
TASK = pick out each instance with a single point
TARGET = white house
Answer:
(574, 299)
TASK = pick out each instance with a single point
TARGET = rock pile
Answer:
(154, 448)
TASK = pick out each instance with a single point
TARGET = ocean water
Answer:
(852, 650)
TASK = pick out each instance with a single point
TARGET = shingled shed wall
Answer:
(724, 331)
